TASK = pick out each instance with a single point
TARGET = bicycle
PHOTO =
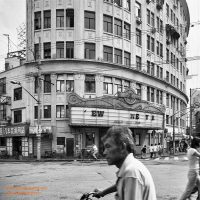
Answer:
(87, 196)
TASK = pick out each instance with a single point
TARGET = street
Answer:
(69, 180)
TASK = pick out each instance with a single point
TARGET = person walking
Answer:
(151, 149)
(193, 173)
(155, 150)
(143, 151)
(134, 181)
(94, 151)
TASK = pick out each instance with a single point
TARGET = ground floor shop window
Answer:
(60, 140)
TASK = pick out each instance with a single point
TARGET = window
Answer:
(127, 5)
(148, 67)
(107, 53)
(107, 24)
(67, 111)
(61, 141)
(47, 111)
(138, 63)
(127, 31)
(37, 20)
(118, 56)
(36, 51)
(69, 49)
(152, 94)
(2, 141)
(167, 10)
(60, 84)
(17, 94)
(152, 69)
(138, 37)
(152, 44)
(60, 112)
(152, 20)
(69, 18)
(90, 84)
(47, 83)
(59, 18)
(161, 26)
(161, 50)
(47, 19)
(167, 76)
(157, 24)
(59, 49)
(167, 100)
(157, 48)
(167, 119)
(2, 85)
(127, 59)
(157, 71)
(118, 27)
(89, 20)
(148, 93)
(161, 72)
(138, 89)
(89, 51)
(107, 85)
(36, 85)
(2, 112)
(148, 17)
(35, 112)
(167, 55)
(47, 50)
(148, 43)
(137, 9)
(17, 116)
(70, 83)
(118, 85)
(118, 2)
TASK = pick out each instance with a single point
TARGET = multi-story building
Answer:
(102, 62)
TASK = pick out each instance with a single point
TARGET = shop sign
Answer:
(13, 131)
(108, 117)
(40, 129)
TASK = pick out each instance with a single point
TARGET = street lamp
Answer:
(7, 35)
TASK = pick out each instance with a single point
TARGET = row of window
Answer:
(120, 3)
(177, 121)
(151, 46)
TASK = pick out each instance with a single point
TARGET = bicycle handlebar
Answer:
(86, 196)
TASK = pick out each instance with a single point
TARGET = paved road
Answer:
(68, 180)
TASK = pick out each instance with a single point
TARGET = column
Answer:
(143, 92)
(99, 85)
(79, 85)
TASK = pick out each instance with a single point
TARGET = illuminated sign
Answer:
(109, 117)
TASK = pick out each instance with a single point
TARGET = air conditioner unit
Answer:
(138, 20)
(168, 42)
(148, 1)
(175, 6)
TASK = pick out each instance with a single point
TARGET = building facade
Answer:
(102, 63)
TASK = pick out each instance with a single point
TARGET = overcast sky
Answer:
(12, 15)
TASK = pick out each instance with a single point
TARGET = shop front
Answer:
(15, 139)
(46, 140)
(91, 118)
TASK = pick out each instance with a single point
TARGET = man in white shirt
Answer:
(134, 181)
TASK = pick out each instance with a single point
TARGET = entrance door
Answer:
(17, 146)
(70, 147)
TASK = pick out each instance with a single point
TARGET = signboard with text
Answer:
(10, 131)
(109, 117)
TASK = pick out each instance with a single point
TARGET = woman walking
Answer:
(193, 173)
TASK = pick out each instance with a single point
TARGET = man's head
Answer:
(118, 143)
(195, 143)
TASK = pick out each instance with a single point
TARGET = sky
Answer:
(12, 15)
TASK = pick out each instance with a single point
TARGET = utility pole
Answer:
(190, 114)
(39, 130)
(173, 118)
(7, 35)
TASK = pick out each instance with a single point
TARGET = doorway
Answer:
(70, 147)
(17, 146)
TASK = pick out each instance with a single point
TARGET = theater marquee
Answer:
(108, 117)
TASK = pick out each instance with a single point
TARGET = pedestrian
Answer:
(160, 149)
(155, 150)
(94, 151)
(193, 173)
(134, 181)
(151, 149)
(143, 151)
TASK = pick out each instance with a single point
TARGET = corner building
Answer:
(105, 62)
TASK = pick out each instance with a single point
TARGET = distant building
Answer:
(103, 62)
